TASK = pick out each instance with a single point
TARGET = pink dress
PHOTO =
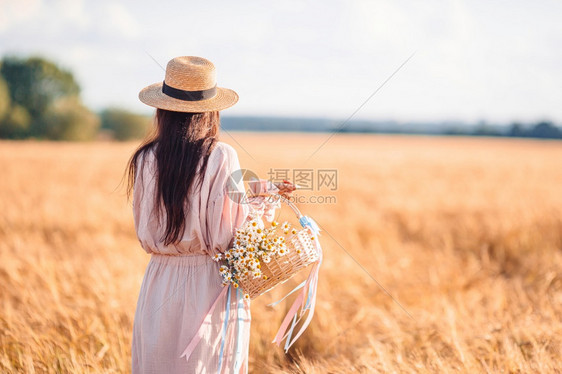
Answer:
(182, 283)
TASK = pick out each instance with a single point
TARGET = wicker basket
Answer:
(281, 268)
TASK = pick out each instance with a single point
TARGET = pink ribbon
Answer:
(204, 326)
(310, 287)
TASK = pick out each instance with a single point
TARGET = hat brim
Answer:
(153, 96)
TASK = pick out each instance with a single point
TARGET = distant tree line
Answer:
(40, 100)
(543, 129)
(539, 130)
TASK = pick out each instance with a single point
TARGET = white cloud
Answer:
(117, 19)
(14, 13)
(474, 58)
(70, 12)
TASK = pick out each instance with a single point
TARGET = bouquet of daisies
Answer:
(253, 246)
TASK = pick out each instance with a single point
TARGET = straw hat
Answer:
(189, 86)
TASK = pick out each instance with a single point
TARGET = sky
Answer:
(497, 61)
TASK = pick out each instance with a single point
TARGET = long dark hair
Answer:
(180, 142)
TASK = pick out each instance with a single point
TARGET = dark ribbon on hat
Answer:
(188, 95)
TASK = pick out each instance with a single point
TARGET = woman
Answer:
(186, 209)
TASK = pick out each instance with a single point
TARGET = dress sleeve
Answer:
(226, 210)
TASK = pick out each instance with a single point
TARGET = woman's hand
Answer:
(285, 188)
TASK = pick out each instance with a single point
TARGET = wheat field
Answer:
(441, 255)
